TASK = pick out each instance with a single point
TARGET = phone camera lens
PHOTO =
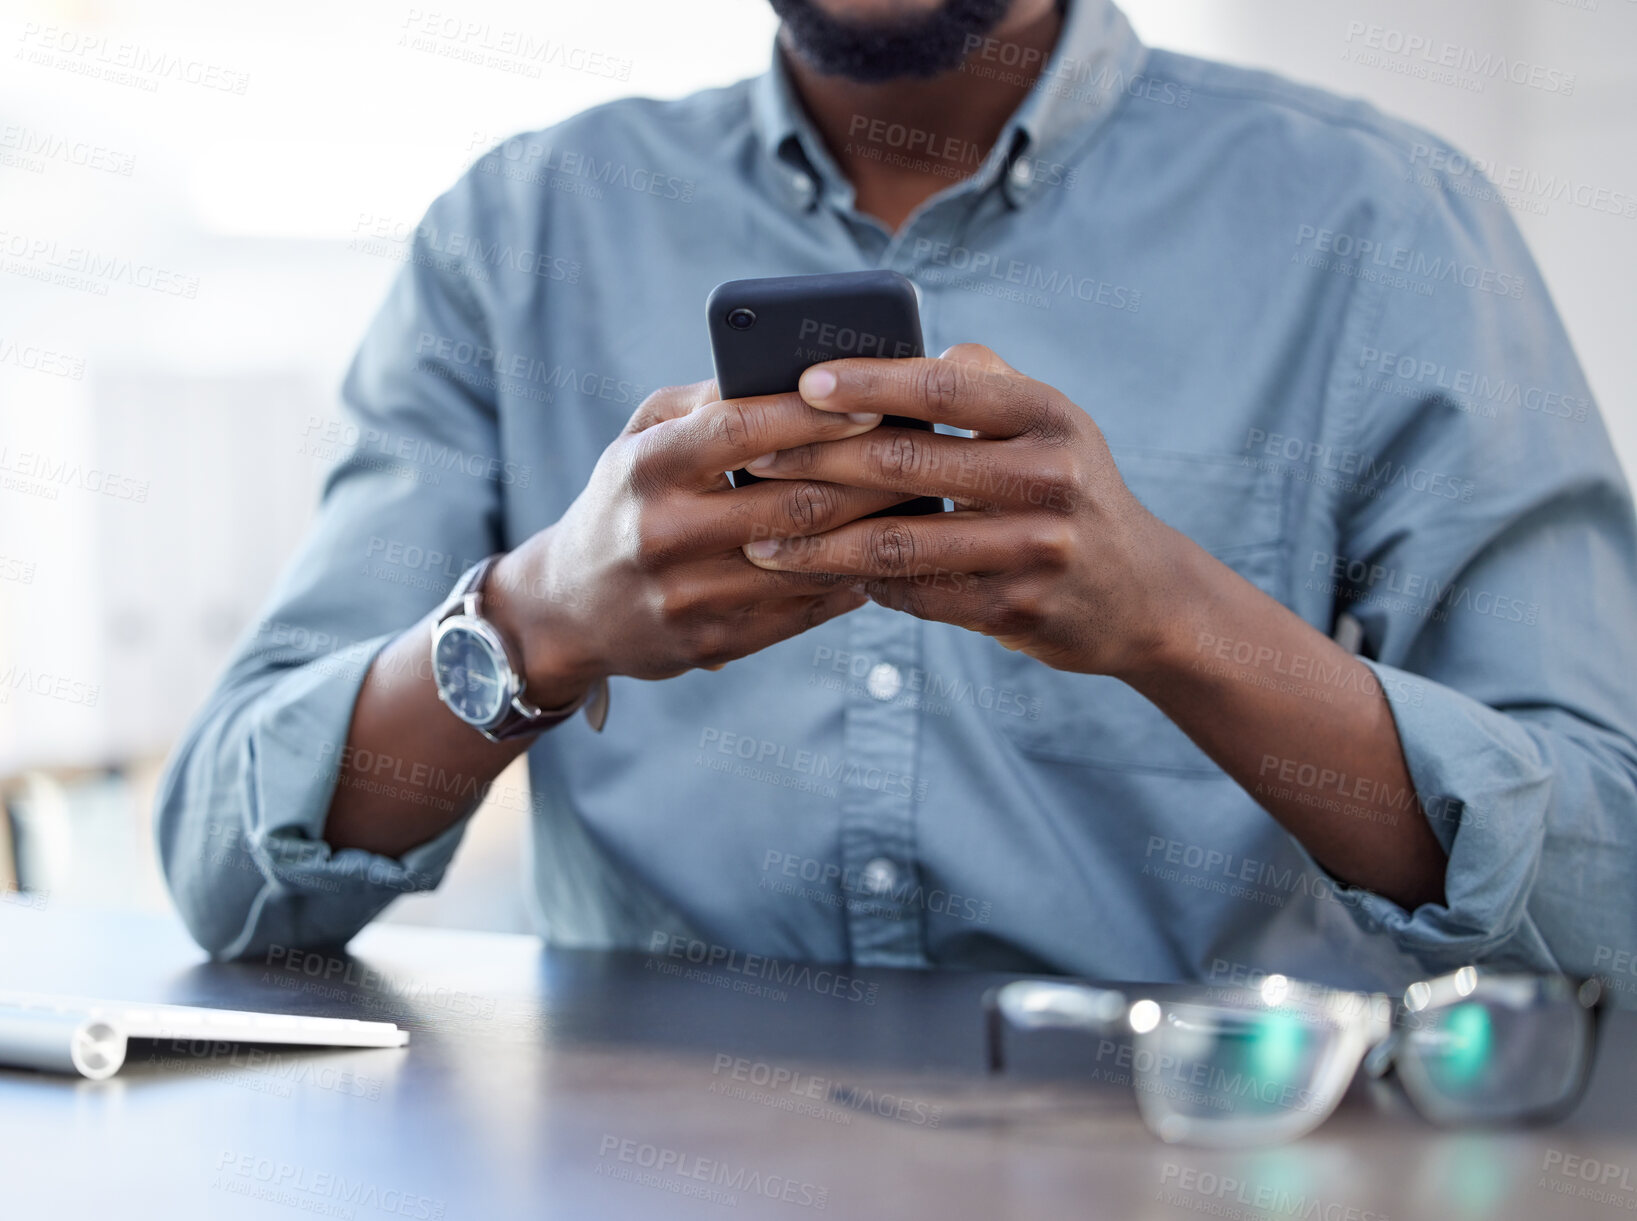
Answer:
(741, 319)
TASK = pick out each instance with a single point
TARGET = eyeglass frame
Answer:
(1371, 1021)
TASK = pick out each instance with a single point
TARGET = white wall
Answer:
(201, 404)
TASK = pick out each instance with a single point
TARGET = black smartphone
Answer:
(765, 332)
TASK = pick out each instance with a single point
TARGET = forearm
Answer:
(1299, 722)
(410, 768)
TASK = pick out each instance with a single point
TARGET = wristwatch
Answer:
(477, 673)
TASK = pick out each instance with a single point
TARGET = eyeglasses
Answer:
(1268, 1065)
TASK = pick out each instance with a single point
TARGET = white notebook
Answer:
(71, 1034)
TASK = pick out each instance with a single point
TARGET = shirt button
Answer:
(884, 681)
(802, 185)
(1022, 172)
(880, 876)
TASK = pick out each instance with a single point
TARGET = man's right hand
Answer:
(644, 576)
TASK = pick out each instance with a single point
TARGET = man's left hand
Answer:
(1047, 550)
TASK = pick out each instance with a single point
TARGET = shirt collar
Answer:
(1096, 58)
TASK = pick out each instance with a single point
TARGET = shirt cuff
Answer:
(1483, 786)
(294, 754)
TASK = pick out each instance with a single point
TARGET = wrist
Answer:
(1179, 593)
(539, 629)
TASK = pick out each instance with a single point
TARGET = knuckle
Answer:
(897, 455)
(800, 460)
(1051, 418)
(1060, 487)
(1051, 548)
(657, 544)
(1016, 611)
(733, 425)
(891, 547)
(911, 600)
(675, 605)
(710, 643)
(648, 458)
(940, 382)
(810, 505)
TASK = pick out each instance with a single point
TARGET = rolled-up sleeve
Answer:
(1489, 553)
(412, 498)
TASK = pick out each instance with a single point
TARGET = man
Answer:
(1284, 619)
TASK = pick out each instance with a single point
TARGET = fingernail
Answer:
(762, 549)
(765, 462)
(864, 417)
(817, 384)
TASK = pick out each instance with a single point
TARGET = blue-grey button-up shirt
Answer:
(1313, 347)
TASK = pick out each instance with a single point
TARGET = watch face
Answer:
(472, 678)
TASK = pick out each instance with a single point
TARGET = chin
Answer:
(877, 12)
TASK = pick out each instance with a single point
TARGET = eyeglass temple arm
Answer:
(1045, 1006)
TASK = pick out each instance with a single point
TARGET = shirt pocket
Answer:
(1235, 512)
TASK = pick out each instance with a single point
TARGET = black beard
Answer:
(869, 54)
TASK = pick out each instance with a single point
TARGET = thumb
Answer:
(975, 357)
(976, 354)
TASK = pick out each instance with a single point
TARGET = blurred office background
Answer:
(169, 416)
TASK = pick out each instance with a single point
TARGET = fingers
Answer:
(718, 642)
(966, 390)
(936, 550)
(785, 618)
(670, 402)
(725, 434)
(782, 508)
(914, 462)
(681, 529)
